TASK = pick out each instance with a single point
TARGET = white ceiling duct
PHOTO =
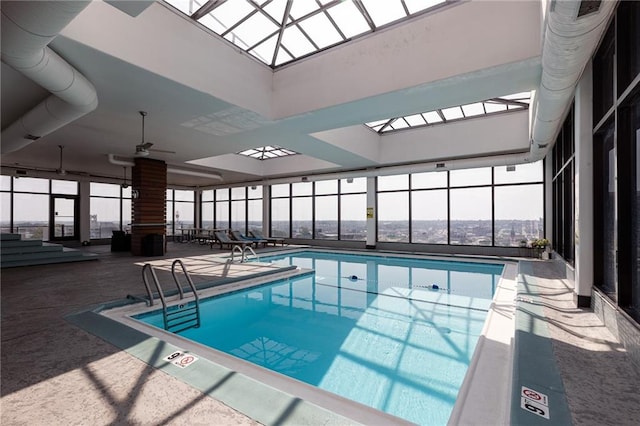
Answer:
(170, 169)
(27, 29)
(572, 32)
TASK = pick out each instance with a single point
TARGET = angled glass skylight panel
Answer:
(491, 106)
(310, 25)
(266, 152)
(452, 113)
(226, 15)
(349, 19)
(283, 57)
(415, 120)
(524, 97)
(383, 12)
(321, 30)
(300, 8)
(276, 9)
(432, 117)
(376, 125)
(256, 28)
(472, 110)
(400, 123)
(264, 51)
(296, 42)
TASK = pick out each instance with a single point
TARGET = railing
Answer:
(177, 317)
(243, 253)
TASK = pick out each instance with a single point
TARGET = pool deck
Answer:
(53, 372)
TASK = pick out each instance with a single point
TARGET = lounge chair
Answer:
(223, 239)
(239, 236)
(273, 240)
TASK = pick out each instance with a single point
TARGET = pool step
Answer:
(16, 252)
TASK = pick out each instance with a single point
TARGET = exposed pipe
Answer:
(170, 169)
(27, 29)
(569, 43)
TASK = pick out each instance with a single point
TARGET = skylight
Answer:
(280, 31)
(517, 101)
(267, 152)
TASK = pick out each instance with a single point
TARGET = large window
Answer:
(616, 153)
(107, 209)
(254, 208)
(207, 205)
(302, 210)
(326, 209)
(486, 206)
(222, 212)
(563, 191)
(353, 209)
(393, 208)
(280, 211)
(239, 209)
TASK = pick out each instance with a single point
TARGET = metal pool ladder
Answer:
(243, 253)
(178, 317)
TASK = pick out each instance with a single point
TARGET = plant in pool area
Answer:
(540, 243)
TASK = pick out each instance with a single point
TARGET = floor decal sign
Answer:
(534, 402)
(181, 359)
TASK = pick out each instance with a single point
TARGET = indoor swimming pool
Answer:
(393, 333)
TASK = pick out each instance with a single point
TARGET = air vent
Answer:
(440, 165)
(588, 7)
(32, 137)
(304, 179)
(511, 168)
(20, 172)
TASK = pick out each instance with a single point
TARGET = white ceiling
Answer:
(206, 100)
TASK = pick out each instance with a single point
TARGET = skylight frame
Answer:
(279, 55)
(498, 105)
(267, 152)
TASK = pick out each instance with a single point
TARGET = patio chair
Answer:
(239, 236)
(274, 240)
(223, 239)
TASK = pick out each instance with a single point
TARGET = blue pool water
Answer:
(371, 329)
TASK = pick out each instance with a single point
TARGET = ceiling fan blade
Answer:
(147, 145)
(166, 151)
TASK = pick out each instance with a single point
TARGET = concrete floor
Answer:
(55, 373)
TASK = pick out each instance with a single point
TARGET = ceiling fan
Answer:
(143, 148)
(61, 171)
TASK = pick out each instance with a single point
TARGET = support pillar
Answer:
(584, 189)
(371, 212)
(148, 204)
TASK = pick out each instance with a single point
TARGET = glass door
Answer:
(64, 218)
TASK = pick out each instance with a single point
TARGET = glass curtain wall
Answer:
(180, 213)
(302, 210)
(616, 152)
(280, 210)
(6, 225)
(329, 209)
(239, 209)
(487, 206)
(352, 221)
(31, 207)
(108, 209)
(563, 191)
(254, 208)
(222, 213)
(232, 208)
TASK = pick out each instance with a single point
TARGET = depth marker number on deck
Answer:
(181, 359)
(535, 402)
